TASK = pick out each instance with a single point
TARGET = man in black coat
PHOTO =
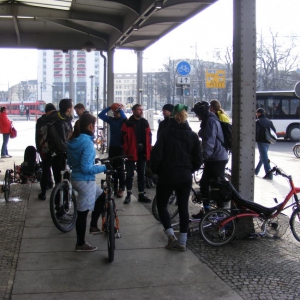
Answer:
(167, 112)
(262, 123)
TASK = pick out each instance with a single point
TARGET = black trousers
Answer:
(119, 178)
(163, 193)
(46, 179)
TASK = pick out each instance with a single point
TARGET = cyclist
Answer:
(115, 146)
(215, 107)
(174, 157)
(215, 156)
(167, 112)
(81, 157)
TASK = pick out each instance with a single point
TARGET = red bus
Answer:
(19, 108)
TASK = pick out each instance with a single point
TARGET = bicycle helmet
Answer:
(116, 107)
(201, 108)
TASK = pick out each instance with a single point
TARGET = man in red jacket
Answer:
(136, 141)
(5, 125)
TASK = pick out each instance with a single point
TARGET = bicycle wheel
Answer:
(63, 208)
(172, 207)
(6, 185)
(198, 175)
(296, 150)
(211, 233)
(295, 224)
(110, 231)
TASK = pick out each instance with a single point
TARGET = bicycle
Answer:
(198, 174)
(296, 150)
(63, 205)
(101, 140)
(110, 220)
(218, 227)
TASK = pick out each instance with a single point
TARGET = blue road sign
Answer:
(183, 68)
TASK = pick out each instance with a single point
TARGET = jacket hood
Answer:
(57, 115)
(76, 144)
(179, 130)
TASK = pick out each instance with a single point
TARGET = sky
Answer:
(204, 34)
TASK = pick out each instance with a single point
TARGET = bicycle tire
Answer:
(64, 219)
(110, 232)
(295, 224)
(172, 207)
(296, 150)
(210, 232)
(197, 175)
(6, 185)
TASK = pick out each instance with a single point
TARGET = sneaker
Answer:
(143, 198)
(95, 230)
(127, 199)
(5, 156)
(42, 196)
(178, 247)
(268, 177)
(172, 240)
(85, 248)
(199, 215)
(120, 193)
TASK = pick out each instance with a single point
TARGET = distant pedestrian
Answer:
(262, 123)
(5, 125)
(167, 112)
(27, 113)
(80, 109)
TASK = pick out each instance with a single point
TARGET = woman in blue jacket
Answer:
(81, 157)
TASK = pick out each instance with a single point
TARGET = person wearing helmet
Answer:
(215, 156)
(174, 157)
(167, 112)
(115, 147)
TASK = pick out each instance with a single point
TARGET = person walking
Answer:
(215, 107)
(27, 113)
(174, 157)
(115, 146)
(167, 112)
(80, 109)
(215, 156)
(262, 123)
(5, 126)
(46, 180)
(136, 141)
(81, 158)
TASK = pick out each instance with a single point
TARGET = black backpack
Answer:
(227, 133)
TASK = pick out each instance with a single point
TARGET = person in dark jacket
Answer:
(215, 156)
(46, 180)
(167, 112)
(115, 145)
(80, 109)
(136, 141)
(262, 123)
(174, 157)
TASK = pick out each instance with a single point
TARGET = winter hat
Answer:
(178, 108)
(168, 107)
(260, 111)
(49, 107)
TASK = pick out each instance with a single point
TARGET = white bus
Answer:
(283, 109)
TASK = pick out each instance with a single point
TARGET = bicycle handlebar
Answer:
(109, 159)
(277, 171)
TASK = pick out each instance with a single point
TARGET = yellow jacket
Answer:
(223, 117)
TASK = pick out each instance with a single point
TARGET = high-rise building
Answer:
(54, 76)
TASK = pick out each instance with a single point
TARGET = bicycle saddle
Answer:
(236, 197)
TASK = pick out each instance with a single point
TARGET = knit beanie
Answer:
(168, 107)
(178, 108)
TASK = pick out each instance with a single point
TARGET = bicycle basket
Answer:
(220, 191)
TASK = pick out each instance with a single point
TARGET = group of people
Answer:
(177, 153)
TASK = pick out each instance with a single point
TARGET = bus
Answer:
(283, 109)
(19, 108)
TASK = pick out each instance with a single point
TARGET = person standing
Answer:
(215, 156)
(262, 123)
(115, 145)
(46, 181)
(215, 107)
(81, 158)
(27, 113)
(167, 112)
(5, 126)
(136, 141)
(80, 109)
(174, 157)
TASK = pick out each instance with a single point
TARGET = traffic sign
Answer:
(183, 80)
(215, 79)
(183, 68)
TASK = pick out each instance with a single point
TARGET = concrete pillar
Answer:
(244, 96)
(139, 77)
(110, 78)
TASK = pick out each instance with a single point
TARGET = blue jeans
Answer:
(4, 145)
(263, 149)
(140, 169)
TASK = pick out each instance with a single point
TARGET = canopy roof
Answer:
(107, 24)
